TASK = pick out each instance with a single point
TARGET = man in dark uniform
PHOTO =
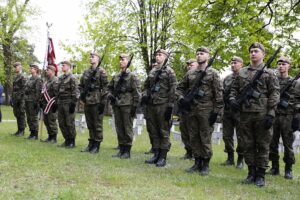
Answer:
(67, 98)
(49, 103)
(231, 119)
(124, 96)
(17, 100)
(256, 118)
(93, 92)
(285, 115)
(159, 97)
(204, 109)
(33, 89)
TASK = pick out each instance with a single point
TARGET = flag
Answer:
(50, 55)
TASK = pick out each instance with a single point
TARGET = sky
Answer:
(65, 16)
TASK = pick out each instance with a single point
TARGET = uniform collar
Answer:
(250, 68)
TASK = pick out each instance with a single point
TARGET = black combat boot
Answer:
(188, 154)
(274, 171)
(251, 175)
(240, 162)
(33, 135)
(70, 143)
(196, 167)
(121, 151)
(162, 160)
(53, 139)
(155, 157)
(230, 159)
(150, 151)
(205, 167)
(288, 171)
(126, 152)
(19, 133)
(95, 148)
(89, 146)
(260, 177)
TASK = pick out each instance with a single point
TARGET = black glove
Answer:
(212, 118)
(234, 105)
(183, 104)
(168, 113)
(112, 99)
(54, 108)
(101, 109)
(72, 108)
(295, 124)
(145, 100)
(268, 121)
(133, 111)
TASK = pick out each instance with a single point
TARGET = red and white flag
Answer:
(50, 55)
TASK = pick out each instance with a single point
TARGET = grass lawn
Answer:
(34, 170)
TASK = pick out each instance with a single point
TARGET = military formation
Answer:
(257, 104)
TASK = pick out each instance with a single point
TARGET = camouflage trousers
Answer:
(283, 129)
(148, 128)
(231, 122)
(200, 134)
(124, 124)
(32, 112)
(66, 121)
(185, 135)
(94, 122)
(50, 122)
(158, 126)
(256, 139)
(19, 113)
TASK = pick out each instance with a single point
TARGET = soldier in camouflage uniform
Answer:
(17, 100)
(159, 96)
(231, 119)
(49, 103)
(205, 108)
(256, 119)
(93, 92)
(67, 98)
(124, 95)
(192, 64)
(33, 89)
(285, 115)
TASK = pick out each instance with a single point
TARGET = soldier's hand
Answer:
(234, 105)
(295, 124)
(112, 99)
(212, 118)
(54, 108)
(144, 100)
(268, 121)
(72, 108)
(168, 113)
(133, 111)
(183, 103)
(101, 109)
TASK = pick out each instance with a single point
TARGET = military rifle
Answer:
(90, 84)
(118, 89)
(196, 92)
(249, 91)
(284, 95)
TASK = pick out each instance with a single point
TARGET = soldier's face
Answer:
(18, 68)
(65, 68)
(160, 58)
(94, 59)
(33, 70)
(283, 67)
(123, 63)
(236, 66)
(202, 56)
(50, 72)
(256, 55)
(192, 66)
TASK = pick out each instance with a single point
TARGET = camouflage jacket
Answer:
(164, 89)
(51, 86)
(212, 89)
(297, 99)
(19, 83)
(291, 92)
(227, 84)
(33, 89)
(96, 91)
(67, 89)
(129, 92)
(268, 88)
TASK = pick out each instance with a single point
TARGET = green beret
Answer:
(162, 51)
(257, 45)
(284, 59)
(237, 59)
(190, 61)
